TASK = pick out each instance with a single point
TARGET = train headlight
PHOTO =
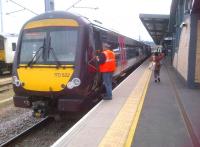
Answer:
(76, 81)
(16, 81)
(70, 85)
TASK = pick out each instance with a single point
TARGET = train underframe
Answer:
(5, 67)
(43, 106)
(50, 105)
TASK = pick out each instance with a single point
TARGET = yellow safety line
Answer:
(129, 140)
(119, 131)
(6, 100)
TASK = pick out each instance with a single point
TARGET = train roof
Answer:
(59, 14)
(80, 19)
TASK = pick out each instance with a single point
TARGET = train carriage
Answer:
(55, 66)
(7, 49)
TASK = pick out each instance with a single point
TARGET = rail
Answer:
(5, 84)
(45, 121)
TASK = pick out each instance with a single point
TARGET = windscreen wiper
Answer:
(53, 53)
(37, 52)
(34, 61)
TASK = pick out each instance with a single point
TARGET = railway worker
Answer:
(107, 66)
(156, 62)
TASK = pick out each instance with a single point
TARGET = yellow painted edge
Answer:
(6, 100)
(2, 55)
(56, 78)
(131, 134)
(45, 65)
(52, 22)
(117, 119)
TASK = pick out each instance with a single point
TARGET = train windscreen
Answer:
(48, 46)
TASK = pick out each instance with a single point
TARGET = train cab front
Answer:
(45, 62)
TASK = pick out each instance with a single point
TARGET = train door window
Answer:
(97, 40)
(137, 51)
(14, 46)
(90, 52)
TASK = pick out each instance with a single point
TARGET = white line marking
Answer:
(6, 100)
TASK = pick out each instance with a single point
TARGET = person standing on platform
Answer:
(107, 66)
(156, 63)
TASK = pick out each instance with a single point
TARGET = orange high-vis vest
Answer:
(109, 65)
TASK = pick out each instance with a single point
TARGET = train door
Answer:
(92, 50)
(2, 54)
(2, 51)
(98, 49)
(123, 59)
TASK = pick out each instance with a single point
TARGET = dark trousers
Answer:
(156, 73)
(107, 81)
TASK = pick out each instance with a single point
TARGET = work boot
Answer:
(107, 98)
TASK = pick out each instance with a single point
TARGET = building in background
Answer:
(184, 28)
(179, 34)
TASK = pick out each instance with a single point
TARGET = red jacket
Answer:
(109, 65)
(156, 60)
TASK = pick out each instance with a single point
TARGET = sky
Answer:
(119, 15)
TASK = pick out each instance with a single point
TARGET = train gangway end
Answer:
(142, 113)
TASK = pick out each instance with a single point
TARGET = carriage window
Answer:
(14, 46)
(1, 43)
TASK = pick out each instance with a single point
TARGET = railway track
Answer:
(36, 128)
(5, 84)
(47, 120)
(28, 131)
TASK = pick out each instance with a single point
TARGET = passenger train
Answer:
(55, 68)
(7, 50)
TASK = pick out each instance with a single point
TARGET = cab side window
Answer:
(14, 46)
(97, 39)
(1, 44)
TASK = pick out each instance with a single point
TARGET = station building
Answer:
(184, 28)
(179, 34)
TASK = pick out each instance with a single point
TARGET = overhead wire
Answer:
(23, 7)
(73, 5)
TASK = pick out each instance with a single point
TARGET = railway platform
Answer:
(142, 114)
(5, 80)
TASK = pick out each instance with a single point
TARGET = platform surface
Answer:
(171, 113)
(164, 114)
(91, 130)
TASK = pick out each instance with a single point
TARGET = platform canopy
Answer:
(156, 25)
